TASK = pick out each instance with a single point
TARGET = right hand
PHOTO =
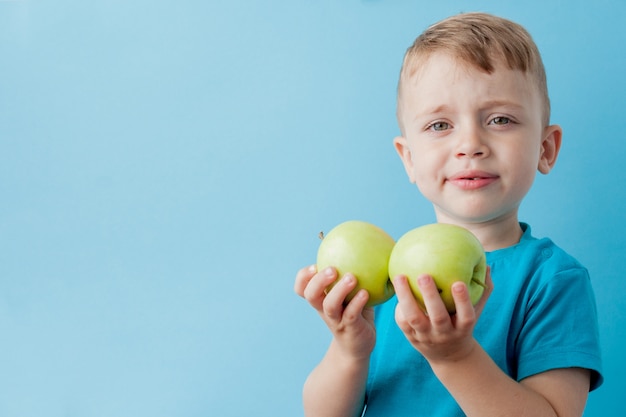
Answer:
(351, 323)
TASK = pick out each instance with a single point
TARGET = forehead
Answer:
(440, 78)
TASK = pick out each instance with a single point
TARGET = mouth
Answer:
(471, 180)
(472, 175)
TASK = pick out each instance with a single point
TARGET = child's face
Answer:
(473, 141)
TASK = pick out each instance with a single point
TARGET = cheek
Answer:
(523, 174)
(418, 166)
(426, 173)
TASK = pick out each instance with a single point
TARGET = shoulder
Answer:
(539, 259)
(545, 300)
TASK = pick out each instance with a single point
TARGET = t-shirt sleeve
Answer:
(561, 327)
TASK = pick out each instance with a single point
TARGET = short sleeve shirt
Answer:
(540, 316)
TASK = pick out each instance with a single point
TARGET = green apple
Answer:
(447, 253)
(362, 249)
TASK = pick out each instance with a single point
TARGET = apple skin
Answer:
(448, 253)
(362, 249)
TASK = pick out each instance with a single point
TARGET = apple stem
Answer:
(321, 235)
(482, 284)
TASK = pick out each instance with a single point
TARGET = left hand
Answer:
(435, 333)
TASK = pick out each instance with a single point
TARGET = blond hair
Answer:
(480, 40)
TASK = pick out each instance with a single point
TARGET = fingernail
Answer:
(348, 278)
(397, 278)
(458, 287)
(423, 280)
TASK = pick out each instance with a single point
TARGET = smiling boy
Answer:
(474, 113)
(472, 142)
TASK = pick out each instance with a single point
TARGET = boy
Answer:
(473, 112)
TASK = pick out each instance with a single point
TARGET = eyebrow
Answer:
(502, 103)
(443, 108)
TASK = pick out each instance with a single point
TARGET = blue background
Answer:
(166, 166)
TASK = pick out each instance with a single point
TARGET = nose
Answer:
(471, 144)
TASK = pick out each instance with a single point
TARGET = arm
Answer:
(482, 389)
(336, 387)
(479, 386)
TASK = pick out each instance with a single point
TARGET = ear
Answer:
(550, 146)
(402, 147)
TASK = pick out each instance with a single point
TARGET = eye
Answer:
(438, 126)
(500, 121)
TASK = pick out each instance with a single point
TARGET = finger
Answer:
(403, 290)
(315, 291)
(465, 314)
(354, 309)
(409, 314)
(435, 308)
(333, 304)
(303, 277)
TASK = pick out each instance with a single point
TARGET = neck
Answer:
(494, 234)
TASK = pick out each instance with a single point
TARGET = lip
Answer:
(472, 179)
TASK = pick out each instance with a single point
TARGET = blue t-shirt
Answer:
(540, 316)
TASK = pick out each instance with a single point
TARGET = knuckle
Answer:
(298, 288)
(350, 317)
(329, 309)
(414, 322)
(309, 293)
(439, 320)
